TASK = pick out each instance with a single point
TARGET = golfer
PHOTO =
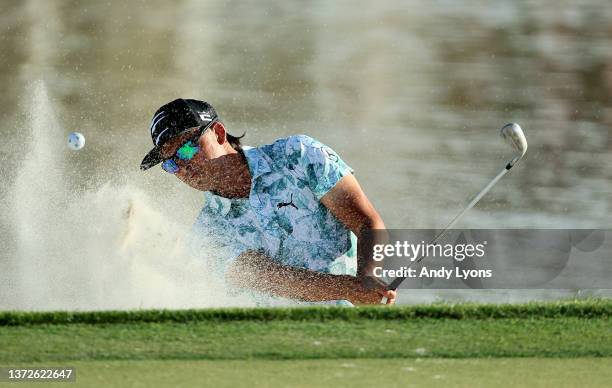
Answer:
(285, 215)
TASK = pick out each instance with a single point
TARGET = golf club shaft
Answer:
(397, 281)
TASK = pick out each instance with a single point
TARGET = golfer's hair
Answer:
(235, 141)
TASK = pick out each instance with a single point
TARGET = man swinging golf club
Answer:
(282, 216)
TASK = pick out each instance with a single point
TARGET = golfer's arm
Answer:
(255, 270)
(347, 201)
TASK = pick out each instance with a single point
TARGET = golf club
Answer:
(513, 135)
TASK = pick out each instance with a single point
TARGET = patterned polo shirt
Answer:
(283, 215)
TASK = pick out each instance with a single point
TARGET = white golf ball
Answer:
(76, 141)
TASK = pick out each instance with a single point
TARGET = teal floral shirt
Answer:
(283, 215)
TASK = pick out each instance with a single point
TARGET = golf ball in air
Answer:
(76, 141)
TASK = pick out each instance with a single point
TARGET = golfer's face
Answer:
(193, 171)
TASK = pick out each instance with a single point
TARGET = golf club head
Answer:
(513, 135)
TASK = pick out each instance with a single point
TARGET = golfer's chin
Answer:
(194, 183)
(199, 186)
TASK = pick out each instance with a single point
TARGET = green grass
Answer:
(560, 330)
(354, 373)
(590, 308)
(562, 344)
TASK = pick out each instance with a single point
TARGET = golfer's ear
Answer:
(219, 130)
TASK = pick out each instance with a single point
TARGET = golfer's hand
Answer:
(364, 293)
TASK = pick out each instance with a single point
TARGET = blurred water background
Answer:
(410, 94)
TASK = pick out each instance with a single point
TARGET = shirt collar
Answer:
(258, 163)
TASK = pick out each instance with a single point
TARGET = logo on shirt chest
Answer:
(284, 204)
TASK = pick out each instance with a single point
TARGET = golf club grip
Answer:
(395, 283)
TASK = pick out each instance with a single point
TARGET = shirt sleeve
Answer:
(316, 164)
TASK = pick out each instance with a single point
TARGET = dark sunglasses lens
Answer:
(170, 166)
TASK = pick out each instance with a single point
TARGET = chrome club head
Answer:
(513, 135)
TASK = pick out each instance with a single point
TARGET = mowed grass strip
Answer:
(355, 373)
(590, 308)
(422, 337)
